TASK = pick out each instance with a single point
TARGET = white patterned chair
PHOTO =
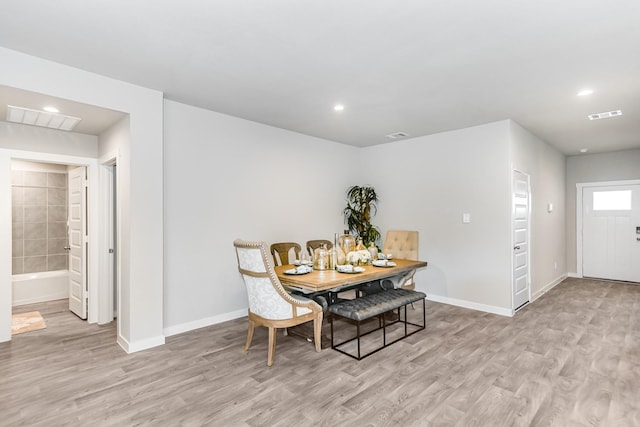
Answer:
(269, 304)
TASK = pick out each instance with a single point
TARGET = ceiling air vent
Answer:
(606, 115)
(28, 116)
(397, 135)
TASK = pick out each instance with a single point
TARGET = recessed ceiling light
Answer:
(51, 109)
(584, 150)
(338, 107)
(585, 92)
(397, 135)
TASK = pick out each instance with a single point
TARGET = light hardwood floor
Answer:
(571, 358)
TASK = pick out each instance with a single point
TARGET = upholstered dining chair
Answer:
(402, 244)
(280, 252)
(269, 304)
(312, 245)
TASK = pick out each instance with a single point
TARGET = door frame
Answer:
(107, 277)
(579, 189)
(6, 155)
(530, 203)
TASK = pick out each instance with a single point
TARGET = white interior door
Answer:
(77, 242)
(520, 226)
(611, 232)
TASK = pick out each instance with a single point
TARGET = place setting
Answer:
(349, 269)
(384, 260)
(300, 269)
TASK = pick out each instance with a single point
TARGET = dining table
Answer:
(327, 284)
(322, 281)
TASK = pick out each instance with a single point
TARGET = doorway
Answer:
(110, 277)
(91, 164)
(608, 234)
(39, 204)
(520, 214)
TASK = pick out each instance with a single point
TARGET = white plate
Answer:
(383, 263)
(354, 270)
(299, 270)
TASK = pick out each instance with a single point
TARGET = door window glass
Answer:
(612, 200)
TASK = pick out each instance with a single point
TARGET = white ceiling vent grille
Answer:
(28, 116)
(397, 135)
(605, 115)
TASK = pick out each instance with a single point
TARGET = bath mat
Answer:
(26, 322)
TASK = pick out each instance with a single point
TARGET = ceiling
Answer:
(418, 67)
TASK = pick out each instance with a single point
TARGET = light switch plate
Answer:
(466, 218)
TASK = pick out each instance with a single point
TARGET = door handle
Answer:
(515, 248)
(67, 248)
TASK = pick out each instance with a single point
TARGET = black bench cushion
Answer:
(374, 304)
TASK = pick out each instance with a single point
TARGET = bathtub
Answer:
(39, 287)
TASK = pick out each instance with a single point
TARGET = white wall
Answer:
(116, 138)
(546, 167)
(228, 178)
(25, 165)
(615, 166)
(225, 178)
(144, 172)
(426, 184)
(30, 138)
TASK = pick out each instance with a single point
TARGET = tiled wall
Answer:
(39, 201)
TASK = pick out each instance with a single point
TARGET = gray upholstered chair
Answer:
(269, 304)
(280, 252)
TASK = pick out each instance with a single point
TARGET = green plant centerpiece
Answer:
(361, 206)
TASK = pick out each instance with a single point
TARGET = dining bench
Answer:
(359, 310)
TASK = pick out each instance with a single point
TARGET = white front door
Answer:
(520, 226)
(77, 242)
(611, 232)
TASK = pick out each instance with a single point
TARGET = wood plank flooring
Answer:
(572, 358)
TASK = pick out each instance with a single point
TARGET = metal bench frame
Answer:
(382, 324)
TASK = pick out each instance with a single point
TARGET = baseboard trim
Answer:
(41, 298)
(132, 347)
(471, 305)
(203, 323)
(548, 287)
(574, 275)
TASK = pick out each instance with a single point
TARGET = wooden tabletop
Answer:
(322, 280)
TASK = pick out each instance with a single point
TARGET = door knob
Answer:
(67, 248)
(515, 248)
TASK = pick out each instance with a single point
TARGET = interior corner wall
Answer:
(426, 184)
(228, 178)
(546, 167)
(142, 167)
(614, 166)
(116, 138)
